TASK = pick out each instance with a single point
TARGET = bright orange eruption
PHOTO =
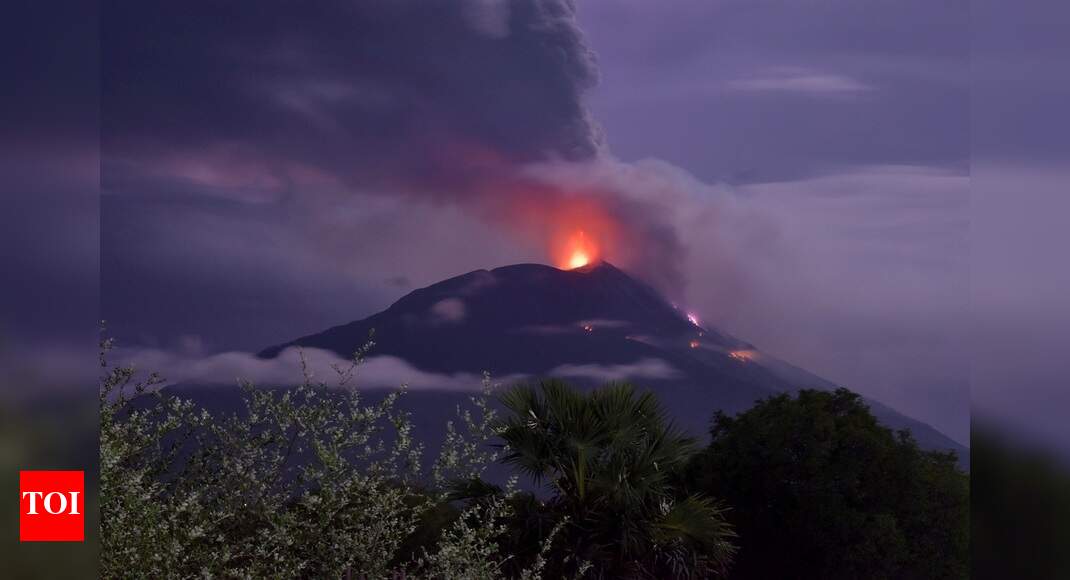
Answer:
(579, 259)
(577, 227)
(579, 251)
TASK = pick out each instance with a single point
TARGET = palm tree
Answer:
(610, 459)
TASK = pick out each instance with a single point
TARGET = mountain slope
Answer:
(587, 325)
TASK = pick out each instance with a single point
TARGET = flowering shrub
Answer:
(308, 481)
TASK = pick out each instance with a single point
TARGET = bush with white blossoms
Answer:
(310, 481)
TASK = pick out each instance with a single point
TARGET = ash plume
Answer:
(474, 104)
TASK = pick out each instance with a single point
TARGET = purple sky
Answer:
(1020, 319)
(844, 127)
(796, 173)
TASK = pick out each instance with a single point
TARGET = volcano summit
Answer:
(587, 325)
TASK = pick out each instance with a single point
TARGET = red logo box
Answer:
(51, 506)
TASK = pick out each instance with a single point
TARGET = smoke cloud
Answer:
(467, 103)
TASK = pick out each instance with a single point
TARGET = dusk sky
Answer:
(1020, 317)
(796, 174)
(874, 190)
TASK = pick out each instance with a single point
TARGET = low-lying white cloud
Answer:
(448, 311)
(379, 372)
(647, 368)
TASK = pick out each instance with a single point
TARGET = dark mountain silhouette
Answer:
(586, 325)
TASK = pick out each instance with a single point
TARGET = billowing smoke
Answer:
(471, 103)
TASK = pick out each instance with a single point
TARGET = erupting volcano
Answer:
(587, 322)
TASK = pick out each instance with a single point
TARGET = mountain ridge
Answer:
(534, 320)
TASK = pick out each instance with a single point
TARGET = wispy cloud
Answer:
(800, 81)
(448, 311)
(379, 372)
(647, 368)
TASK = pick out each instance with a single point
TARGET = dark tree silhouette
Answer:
(819, 489)
(610, 459)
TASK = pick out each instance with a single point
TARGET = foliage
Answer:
(609, 459)
(304, 482)
(820, 490)
(315, 481)
(1021, 513)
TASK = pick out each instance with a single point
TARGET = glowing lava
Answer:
(742, 355)
(578, 251)
(579, 259)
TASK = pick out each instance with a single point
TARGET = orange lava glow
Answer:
(579, 250)
(577, 227)
(742, 355)
(579, 259)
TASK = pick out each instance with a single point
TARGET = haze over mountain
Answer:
(587, 325)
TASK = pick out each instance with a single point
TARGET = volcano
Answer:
(588, 325)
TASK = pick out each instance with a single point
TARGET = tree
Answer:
(1021, 513)
(609, 459)
(819, 489)
(307, 481)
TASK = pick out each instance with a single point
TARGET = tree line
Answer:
(316, 481)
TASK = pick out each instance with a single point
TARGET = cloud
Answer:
(665, 72)
(410, 96)
(860, 275)
(479, 280)
(448, 311)
(799, 81)
(647, 368)
(491, 17)
(291, 119)
(378, 372)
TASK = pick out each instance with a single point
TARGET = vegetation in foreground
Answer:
(1021, 513)
(610, 460)
(819, 489)
(316, 482)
